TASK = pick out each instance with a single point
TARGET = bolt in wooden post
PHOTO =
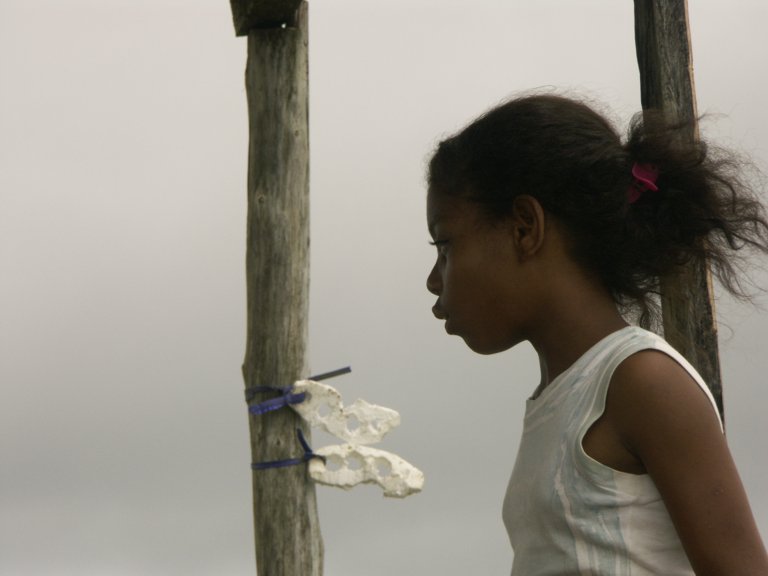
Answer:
(663, 46)
(286, 525)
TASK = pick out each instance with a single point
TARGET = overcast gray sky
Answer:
(123, 142)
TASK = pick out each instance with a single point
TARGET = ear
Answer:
(528, 225)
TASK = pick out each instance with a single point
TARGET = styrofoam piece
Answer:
(348, 465)
(358, 423)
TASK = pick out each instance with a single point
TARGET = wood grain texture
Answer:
(287, 533)
(662, 39)
(250, 14)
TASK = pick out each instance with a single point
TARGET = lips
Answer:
(438, 312)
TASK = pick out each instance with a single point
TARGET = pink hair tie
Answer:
(644, 179)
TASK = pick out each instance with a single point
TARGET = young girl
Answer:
(549, 229)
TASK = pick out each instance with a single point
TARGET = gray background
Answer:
(123, 140)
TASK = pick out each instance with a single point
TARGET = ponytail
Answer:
(704, 209)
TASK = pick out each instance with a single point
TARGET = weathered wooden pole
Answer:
(663, 44)
(286, 525)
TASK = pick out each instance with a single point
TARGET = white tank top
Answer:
(565, 512)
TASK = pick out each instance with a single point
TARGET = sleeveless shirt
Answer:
(567, 513)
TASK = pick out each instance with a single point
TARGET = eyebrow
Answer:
(436, 217)
(439, 216)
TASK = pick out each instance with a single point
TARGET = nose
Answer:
(434, 282)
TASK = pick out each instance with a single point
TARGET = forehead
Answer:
(445, 210)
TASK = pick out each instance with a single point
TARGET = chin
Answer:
(486, 348)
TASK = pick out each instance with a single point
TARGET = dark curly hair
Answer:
(572, 160)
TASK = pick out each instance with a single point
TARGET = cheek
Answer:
(462, 290)
(454, 281)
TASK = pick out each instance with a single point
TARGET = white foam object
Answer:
(358, 423)
(348, 465)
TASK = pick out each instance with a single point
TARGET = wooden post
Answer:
(253, 14)
(286, 525)
(663, 46)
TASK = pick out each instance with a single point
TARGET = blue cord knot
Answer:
(286, 398)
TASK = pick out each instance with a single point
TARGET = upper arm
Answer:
(666, 420)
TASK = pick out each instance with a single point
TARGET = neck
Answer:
(571, 311)
(581, 320)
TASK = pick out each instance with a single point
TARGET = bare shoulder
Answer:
(650, 399)
(667, 421)
(650, 389)
(662, 415)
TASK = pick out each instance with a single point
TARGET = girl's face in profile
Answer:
(476, 276)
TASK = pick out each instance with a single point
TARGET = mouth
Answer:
(438, 312)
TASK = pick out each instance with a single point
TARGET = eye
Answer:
(441, 245)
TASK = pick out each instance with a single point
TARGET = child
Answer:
(549, 229)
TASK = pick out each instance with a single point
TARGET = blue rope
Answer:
(331, 374)
(286, 398)
(308, 455)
